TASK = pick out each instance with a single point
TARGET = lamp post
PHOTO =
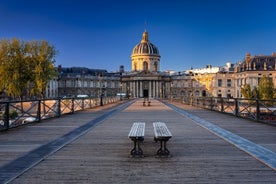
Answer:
(171, 93)
(121, 90)
(101, 97)
(101, 89)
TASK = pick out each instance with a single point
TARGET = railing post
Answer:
(7, 117)
(211, 104)
(236, 107)
(222, 105)
(90, 103)
(101, 100)
(73, 106)
(38, 115)
(82, 104)
(59, 107)
(257, 110)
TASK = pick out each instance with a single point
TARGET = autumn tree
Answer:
(266, 88)
(14, 74)
(42, 63)
(26, 67)
(264, 91)
(246, 91)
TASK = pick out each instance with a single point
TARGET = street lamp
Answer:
(171, 91)
(121, 91)
(101, 89)
(102, 95)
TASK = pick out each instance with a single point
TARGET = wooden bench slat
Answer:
(137, 130)
(161, 130)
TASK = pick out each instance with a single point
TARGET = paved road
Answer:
(99, 152)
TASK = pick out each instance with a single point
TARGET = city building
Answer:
(252, 68)
(145, 80)
(79, 81)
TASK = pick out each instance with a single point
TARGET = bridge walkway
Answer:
(92, 147)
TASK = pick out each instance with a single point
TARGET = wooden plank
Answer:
(161, 130)
(137, 130)
(101, 155)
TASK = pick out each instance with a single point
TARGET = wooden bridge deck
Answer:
(93, 147)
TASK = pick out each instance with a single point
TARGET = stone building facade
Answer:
(145, 80)
(90, 82)
(224, 81)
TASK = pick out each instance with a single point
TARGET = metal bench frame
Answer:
(162, 134)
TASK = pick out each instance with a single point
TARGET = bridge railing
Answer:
(16, 113)
(254, 109)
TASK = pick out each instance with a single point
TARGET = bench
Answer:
(144, 103)
(162, 134)
(136, 134)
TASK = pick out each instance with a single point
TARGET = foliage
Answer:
(265, 90)
(26, 67)
(246, 91)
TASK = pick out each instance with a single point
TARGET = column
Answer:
(150, 89)
(141, 89)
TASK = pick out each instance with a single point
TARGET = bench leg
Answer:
(137, 150)
(163, 151)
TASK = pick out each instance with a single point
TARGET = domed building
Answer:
(145, 80)
(145, 56)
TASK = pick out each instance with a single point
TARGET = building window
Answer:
(63, 83)
(197, 93)
(219, 83)
(229, 83)
(135, 66)
(155, 66)
(203, 93)
(72, 83)
(145, 66)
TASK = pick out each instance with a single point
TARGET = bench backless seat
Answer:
(136, 134)
(162, 134)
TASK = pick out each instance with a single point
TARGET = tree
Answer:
(42, 61)
(266, 88)
(26, 67)
(13, 67)
(246, 91)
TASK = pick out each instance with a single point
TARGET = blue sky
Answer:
(101, 34)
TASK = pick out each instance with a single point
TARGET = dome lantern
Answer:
(145, 47)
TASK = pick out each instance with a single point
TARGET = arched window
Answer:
(145, 66)
(135, 66)
(203, 93)
(155, 66)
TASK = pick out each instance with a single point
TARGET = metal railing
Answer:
(254, 109)
(16, 113)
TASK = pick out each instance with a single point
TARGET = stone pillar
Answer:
(140, 89)
(150, 89)
(153, 89)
